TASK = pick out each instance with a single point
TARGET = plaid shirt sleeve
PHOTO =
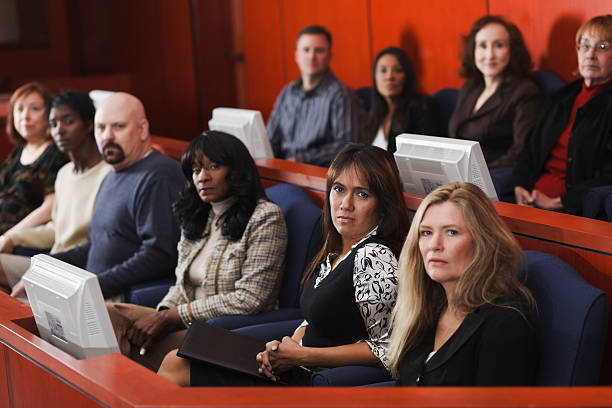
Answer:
(258, 272)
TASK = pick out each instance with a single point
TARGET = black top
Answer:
(422, 118)
(331, 309)
(494, 346)
(589, 151)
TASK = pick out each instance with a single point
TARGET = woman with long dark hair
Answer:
(499, 101)
(349, 289)
(397, 107)
(230, 256)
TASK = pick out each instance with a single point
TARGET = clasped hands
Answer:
(280, 356)
(154, 325)
(536, 198)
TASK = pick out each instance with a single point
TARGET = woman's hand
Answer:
(6, 245)
(280, 356)
(263, 358)
(541, 200)
(523, 197)
(147, 328)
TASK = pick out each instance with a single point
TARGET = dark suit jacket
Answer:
(589, 152)
(501, 124)
(494, 346)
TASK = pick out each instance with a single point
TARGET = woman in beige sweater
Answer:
(71, 122)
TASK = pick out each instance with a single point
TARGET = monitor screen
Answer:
(68, 307)
(427, 162)
(246, 125)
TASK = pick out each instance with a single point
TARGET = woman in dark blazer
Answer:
(397, 107)
(499, 102)
(462, 317)
(569, 150)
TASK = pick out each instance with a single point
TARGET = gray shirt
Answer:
(313, 125)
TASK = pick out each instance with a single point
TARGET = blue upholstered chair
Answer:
(304, 240)
(608, 207)
(364, 95)
(573, 322)
(149, 293)
(502, 181)
(548, 81)
(594, 203)
(447, 99)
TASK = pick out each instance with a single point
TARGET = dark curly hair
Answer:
(243, 180)
(380, 109)
(79, 102)
(520, 63)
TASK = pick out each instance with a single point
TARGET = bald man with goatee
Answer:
(133, 233)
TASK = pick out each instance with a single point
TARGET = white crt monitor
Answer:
(68, 307)
(428, 162)
(246, 125)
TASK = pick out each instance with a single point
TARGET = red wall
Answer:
(429, 31)
(184, 57)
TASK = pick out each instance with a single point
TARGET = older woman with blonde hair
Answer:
(462, 316)
(569, 149)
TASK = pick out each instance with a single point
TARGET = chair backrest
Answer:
(548, 81)
(573, 318)
(595, 201)
(365, 96)
(446, 99)
(302, 217)
(608, 206)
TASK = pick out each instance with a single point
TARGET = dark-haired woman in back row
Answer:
(397, 107)
(230, 256)
(499, 102)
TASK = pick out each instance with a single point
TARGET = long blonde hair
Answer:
(489, 278)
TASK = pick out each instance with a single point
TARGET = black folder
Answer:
(220, 347)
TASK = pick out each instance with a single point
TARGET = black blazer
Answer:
(494, 346)
(589, 152)
(502, 122)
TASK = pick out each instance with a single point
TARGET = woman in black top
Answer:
(348, 291)
(462, 317)
(397, 107)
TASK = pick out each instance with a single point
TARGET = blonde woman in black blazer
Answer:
(462, 317)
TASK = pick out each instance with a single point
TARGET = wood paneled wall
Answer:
(184, 56)
(429, 31)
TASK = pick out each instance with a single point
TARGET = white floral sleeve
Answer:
(375, 281)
